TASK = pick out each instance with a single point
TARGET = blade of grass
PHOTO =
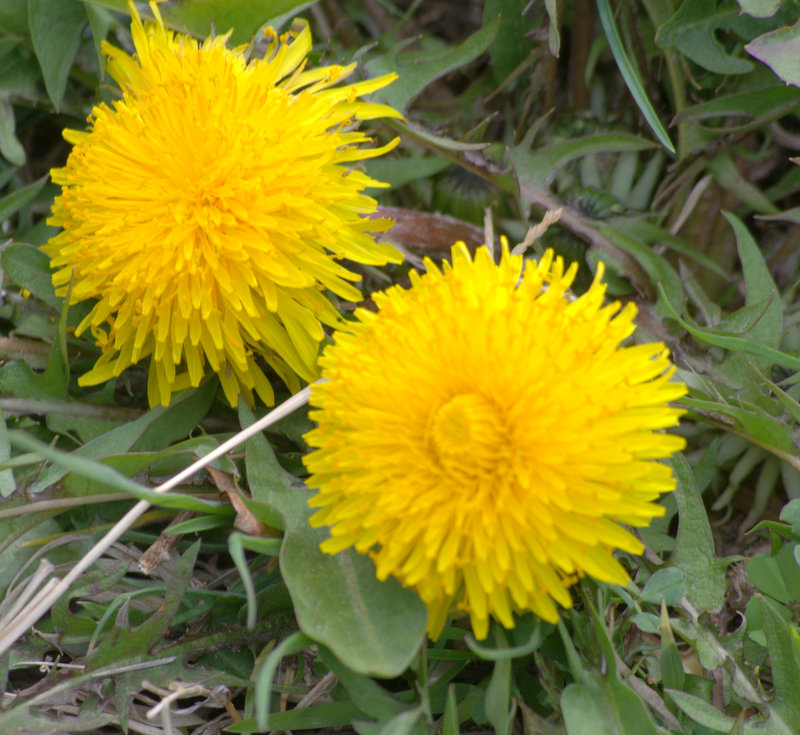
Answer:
(631, 75)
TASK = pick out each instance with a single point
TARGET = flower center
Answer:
(468, 434)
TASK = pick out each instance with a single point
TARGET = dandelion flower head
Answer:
(206, 212)
(484, 435)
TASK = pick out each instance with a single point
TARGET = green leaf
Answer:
(511, 46)
(728, 177)
(755, 109)
(269, 483)
(660, 271)
(10, 147)
(7, 484)
(497, 698)
(56, 27)
(666, 585)
(178, 420)
(122, 641)
(538, 168)
(760, 287)
(399, 171)
(373, 627)
(107, 476)
(372, 699)
(777, 576)
(114, 442)
(702, 712)
(450, 721)
(730, 342)
(703, 572)
(631, 75)
(245, 17)
(692, 30)
(604, 706)
(778, 49)
(417, 71)
(15, 201)
(783, 645)
(760, 8)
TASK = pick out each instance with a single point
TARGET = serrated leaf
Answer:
(415, 72)
(123, 642)
(56, 27)
(778, 49)
(703, 572)
(692, 30)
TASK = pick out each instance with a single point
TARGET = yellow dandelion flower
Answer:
(483, 436)
(207, 210)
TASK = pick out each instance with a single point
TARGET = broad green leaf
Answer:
(101, 22)
(631, 75)
(666, 585)
(783, 644)
(778, 50)
(417, 71)
(693, 31)
(511, 46)
(29, 268)
(538, 168)
(604, 706)
(703, 572)
(10, 147)
(759, 8)
(244, 17)
(777, 576)
(55, 27)
(374, 627)
(15, 201)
